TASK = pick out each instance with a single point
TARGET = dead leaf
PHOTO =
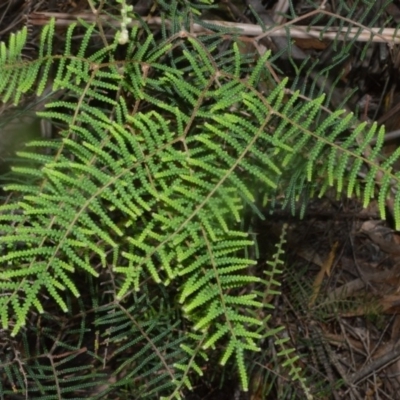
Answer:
(325, 269)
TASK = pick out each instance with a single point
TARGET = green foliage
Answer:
(154, 167)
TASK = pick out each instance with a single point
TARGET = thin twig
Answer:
(379, 363)
(386, 35)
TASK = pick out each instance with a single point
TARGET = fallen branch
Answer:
(361, 34)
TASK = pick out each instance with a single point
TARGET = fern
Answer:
(155, 192)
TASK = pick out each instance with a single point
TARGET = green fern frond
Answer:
(149, 181)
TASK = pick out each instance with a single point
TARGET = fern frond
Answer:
(149, 182)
